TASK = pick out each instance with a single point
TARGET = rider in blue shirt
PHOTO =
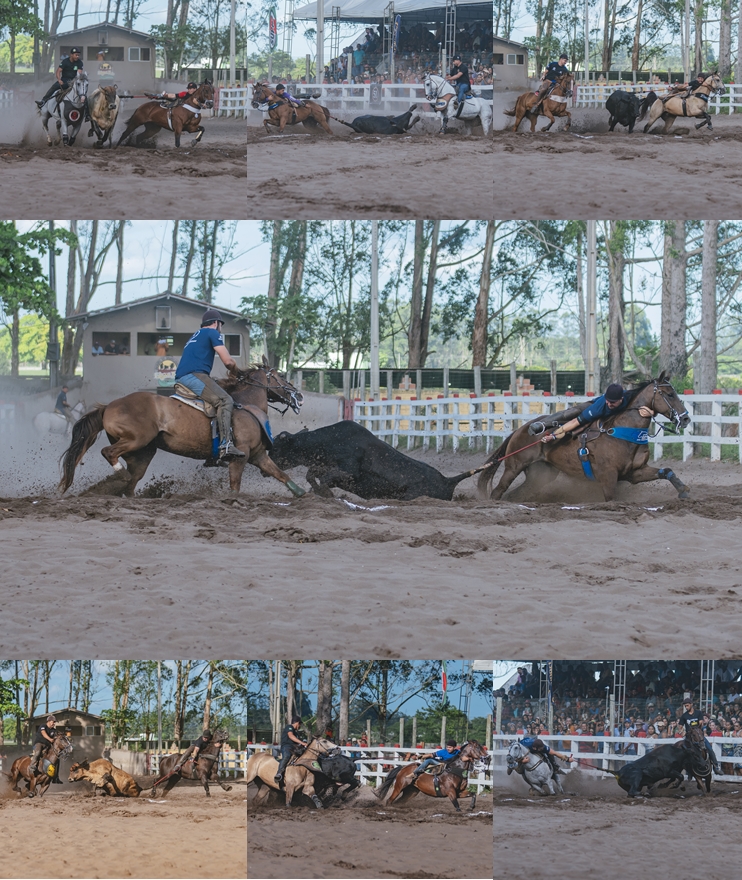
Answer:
(553, 72)
(539, 747)
(442, 755)
(194, 371)
(615, 400)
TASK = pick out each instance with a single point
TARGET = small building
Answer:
(112, 54)
(510, 65)
(136, 346)
(87, 733)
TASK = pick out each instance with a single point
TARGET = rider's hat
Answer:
(563, 55)
(206, 733)
(50, 718)
(280, 87)
(211, 315)
(456, 58)
(688, 700)
(192, 85)
(74, 50)
(614, 392)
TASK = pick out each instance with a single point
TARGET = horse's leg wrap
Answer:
(297, 490)
(669, 474)
(317, 802)
(118, 466)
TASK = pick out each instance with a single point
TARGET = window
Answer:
(113, 343)
(498, 58)
(233, 341)
(161, 344)
(74, 729)
(163, 317)
(91, 730)
(138, 53)
(516, 59)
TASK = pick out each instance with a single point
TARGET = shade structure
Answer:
(372, 11)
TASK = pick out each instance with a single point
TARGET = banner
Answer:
(395, 38)
(444, 674)
(272, 30)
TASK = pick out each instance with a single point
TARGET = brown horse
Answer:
(530, 106)
(611, 459)
(450, 782)
(299, 775)
(183, 117)
(695, 105)
(204, 770)
(61, 747)
(282, 113)
(141, 423)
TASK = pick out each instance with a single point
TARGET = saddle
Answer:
(190, 398)
(185, 395)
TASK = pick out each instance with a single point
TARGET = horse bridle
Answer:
(675, 417)
(296, 398)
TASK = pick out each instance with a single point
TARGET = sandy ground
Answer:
(563, 577)
(592, 173)
(42, 182)
(75, 834)
(363, 838)
(307, 176)
(598, 828)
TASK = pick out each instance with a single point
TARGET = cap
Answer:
(456, 58)
(206, 733)
(50, 718)
(74, 50)
(192, 85)
(614, 392)
(563, 55)
(211, 315)
(688, 700)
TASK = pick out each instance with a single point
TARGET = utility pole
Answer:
(232, 45)
(375, 389)
(592, 371)
(52, 354)
(587, 41)
(686, 59)
(320, 41)
(159, 707)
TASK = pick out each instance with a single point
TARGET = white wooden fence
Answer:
(231, 763)
(600, 753)
(482, 422)
(375, 762)
(233, 102)
(596, 94)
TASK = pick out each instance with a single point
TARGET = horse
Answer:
(609, 458)
(20, 769)
(56, 423)
(694, 106)
(450, 781)
(699, 760)
(141, 423)
(103, 109)
(439, 93)
(530, 106)
(534, 768)
(68, 107)
(299, 774)
(183, 117)
(283, 113)
(204, 770)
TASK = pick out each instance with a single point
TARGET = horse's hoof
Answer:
(684, 495)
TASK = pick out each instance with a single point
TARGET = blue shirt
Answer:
(599, 409)
(528, 742)
(445, 755)
(198, 354)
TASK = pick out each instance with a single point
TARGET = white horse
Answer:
(534, 768)
(439, 92)
(69, 112)
(56, 423)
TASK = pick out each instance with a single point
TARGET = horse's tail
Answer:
(389, 781)
(84, 434)
(509, 112)
(484, 483)
(646, 104)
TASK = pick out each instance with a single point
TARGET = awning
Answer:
(372, 11)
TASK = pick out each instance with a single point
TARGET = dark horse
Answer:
(205, 769)
(61, 747)
(451, 781)
(141, 423)
(183, 117)
(282, 113)
(611, 459)
(699, 760)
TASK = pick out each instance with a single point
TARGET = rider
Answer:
(65, 73)
(553, 71)
(459, 77)
(62, 406)
(44, 738)
(290, 741)
(614, 401)
(285, 95)
(191, 753)
(541, 748)
(177, 97)
(685, 90)
(450, 752)
(691, 717)
(194, 372)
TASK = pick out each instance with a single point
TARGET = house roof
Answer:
(410, 10)
(102, 24)
(511, 43)
(160, 297)
(69, 709)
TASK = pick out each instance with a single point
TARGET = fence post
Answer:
(401, 732)
(488, 732)
(368, 731)
(346, 384)
(554, 377)
(443, 731)
(446, 375)
(414, 731)
(299, 383)
(477, 381)
(513, 378)
(321, 382)
(390, 384)
(419, 383)
(716, 430)
(362, 383)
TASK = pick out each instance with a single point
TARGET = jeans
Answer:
(428, 762)
(463, 89)
(286, 754)
(207, 389)
(55, 87)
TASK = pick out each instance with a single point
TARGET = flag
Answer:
(395, 33)
(444, 678)
(272, 29)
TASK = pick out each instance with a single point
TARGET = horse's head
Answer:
(564, 84)
(516, 752)
(433, 85)
(321, 746)
(62, 745)
(694, 734)
(220, 736)
(715, 83)
(279, 389)
(666, 402)
(204, 95)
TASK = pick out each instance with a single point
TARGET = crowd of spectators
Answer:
(653, 704)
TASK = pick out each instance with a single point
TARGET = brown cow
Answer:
(106, 778)
(103, 109)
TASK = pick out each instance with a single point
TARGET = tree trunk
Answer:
(120, 261)
(616, 263)
(637, 37)
(698, 48)
(429, 292)
(416, 299)
(706, 382)
(173, 254)
(181, 698)
(189, 258)
(207, 700)
(738, 77)
(271, 324)
(581, 314)
(288, 327)
(343, 723)
(383, 700)
(12, 52)
(481, 311)
(725, 39)
(15, 335)
(673, 353)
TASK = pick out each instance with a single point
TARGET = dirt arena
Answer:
(597, 828)
(73, 833)
(364, 838)
(641, 576)
(158, 183)
(589, 172)
(315, 177)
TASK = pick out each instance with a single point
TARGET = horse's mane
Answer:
(233, 383)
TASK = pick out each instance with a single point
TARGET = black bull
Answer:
(383, 124)
(625, 108)
(347, 456)
(340, 770)
(663, 762)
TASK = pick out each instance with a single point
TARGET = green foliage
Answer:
(16, 16)
(32, 341)
(8, 704)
